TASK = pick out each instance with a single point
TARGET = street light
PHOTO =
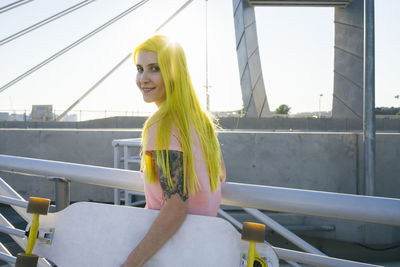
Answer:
(319, 110)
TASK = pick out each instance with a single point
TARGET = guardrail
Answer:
(299, 201)
(307, 202)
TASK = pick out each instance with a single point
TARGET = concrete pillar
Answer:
(254, 97)
(348, 70)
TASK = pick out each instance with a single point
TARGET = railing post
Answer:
(62, 192)
(369, 126)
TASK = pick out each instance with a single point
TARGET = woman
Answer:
(181, 157)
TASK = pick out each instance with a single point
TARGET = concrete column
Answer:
(348, 70)
(255, 101)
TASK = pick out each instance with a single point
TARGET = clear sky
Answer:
(296, 49)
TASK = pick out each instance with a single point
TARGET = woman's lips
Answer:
(147, 90)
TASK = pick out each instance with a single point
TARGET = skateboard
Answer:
(102, 235)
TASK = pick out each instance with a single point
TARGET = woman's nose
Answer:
(144, 77)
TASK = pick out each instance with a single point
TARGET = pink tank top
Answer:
(203, 202)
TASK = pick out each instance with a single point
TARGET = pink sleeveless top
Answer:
(203, 202)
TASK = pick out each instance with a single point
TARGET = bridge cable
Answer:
(45, 21)
(8, 7)
(92, 88)
(117, 66)
(69, 47)
(174, 15)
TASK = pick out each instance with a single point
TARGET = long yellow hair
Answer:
(181, 108)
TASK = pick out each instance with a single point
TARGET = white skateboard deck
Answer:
(92, 234)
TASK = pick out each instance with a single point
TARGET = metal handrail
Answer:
(13, 201)
(244, 196)
(307, 202)
(283, 231)
(292, 256)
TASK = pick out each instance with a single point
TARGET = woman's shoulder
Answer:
(151, 137)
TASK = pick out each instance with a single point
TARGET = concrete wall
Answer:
(317, 161)
(278, 123)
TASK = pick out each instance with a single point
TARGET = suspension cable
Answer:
(92, 88)
(69, 47)
(173, 15)
(45, 21)
(118, 65)
(8, 7)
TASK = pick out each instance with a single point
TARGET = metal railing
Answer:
(74, 115)
(298, 201)
(10, 196)
(307, 202)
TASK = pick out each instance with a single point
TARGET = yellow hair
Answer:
(182, 109)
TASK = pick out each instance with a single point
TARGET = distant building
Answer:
(42, 113)
(4, 116)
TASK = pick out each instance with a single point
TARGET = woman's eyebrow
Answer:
(150, 64)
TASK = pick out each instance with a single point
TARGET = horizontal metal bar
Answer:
(137, 203)
(4, 250)
(298, 201)
(80, 173)
(292, 256)
(12, 231)
(228, 217)
(18, 202)
(134, 142)
(283, 231)
(314, 203)
(317, 260)
(6, 190)
(8, 258)
(304, 228)
(131, 159)
(14, 201)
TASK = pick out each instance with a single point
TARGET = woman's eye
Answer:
(155, 68)
(140, 69)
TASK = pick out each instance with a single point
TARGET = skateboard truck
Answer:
(254, 233)
(36, 206)
(44, 235)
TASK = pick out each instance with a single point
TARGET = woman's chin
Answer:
(147, 100)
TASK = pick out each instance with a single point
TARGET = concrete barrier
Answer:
(275, 123)
(316, 161)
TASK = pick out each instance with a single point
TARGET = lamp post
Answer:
(207, 86)
(319, 109)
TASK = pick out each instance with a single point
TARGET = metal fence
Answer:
(316, 203)
(73, 115)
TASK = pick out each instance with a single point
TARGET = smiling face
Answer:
(149, 78)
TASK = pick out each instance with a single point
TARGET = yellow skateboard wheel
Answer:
(38, 205)
(24, 260)
(253, 232)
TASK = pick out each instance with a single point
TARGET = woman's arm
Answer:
(171, 215)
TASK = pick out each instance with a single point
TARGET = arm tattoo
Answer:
(175, 159)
